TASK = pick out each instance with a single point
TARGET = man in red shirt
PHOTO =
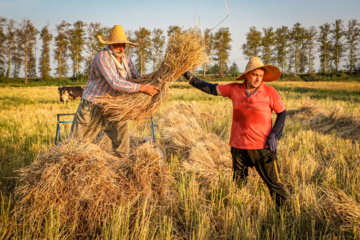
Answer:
(253, 139)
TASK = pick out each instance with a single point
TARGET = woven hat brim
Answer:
(272, 73)
(104, 40)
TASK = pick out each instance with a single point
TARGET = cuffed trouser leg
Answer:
(265, 162)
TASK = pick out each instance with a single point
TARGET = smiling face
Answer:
(254, 78)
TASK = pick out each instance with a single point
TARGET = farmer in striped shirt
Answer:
(111, 71)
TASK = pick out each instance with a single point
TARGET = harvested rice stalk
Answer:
(83, 185)
(205, 153)
(185, 51)
(340, 210)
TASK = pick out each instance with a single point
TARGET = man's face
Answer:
(254, 78)
(118, 48)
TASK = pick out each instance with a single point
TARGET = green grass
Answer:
(313, 164)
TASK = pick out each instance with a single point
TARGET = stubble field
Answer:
(319, 158)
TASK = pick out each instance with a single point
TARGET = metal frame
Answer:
(58, 135)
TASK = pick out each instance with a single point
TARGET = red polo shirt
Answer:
(251, 122)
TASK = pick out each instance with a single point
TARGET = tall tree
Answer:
(208, 40)
(222, 47)
(253, 43)
(46, 38)
(337, 36)
(76, 37)
(352, 40)
(17, 60)
(281, 46)
(310, 36)
(130, 50)
(325, 47)
(143, 51)
(27, 39)
(297, 38)
(10, 44)
(234, 69)
(158, 43)
(62, 48)
(267, 44)
(2, 46)
(93, 45)
(173, 29)
(32, 62)
(303, 57)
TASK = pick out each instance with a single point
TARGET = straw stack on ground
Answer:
(340, 210)
(82, 185)
(345, 126)
(206, 154)
(185, 51)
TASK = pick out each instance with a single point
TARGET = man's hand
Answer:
(149, 89)
(271, 141)
(188, 75)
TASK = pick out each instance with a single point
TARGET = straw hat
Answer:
(117, 35)
(272, 72)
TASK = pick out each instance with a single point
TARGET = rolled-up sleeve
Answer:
(108, 69)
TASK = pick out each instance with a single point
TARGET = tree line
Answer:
(293, 50)
(74, 45)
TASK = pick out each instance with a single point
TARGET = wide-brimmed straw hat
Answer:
(117, 35)
(272, 72)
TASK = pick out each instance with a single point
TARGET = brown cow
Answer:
(71, 93)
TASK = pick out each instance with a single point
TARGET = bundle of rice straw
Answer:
(84, 184)
(185, 51)
(206, 154)
(340, 210)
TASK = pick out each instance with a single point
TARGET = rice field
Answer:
(319, 157)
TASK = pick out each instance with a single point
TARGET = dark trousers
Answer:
(265, 164)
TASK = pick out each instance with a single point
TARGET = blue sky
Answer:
(187, 13)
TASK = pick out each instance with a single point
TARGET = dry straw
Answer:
(83, 185)
(340, 210)
(185, 51)
(345, 126)
(206, 154)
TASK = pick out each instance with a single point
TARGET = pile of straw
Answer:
(84, 184)
(340, 210)
(185, 51)
(345, 126)
(206, 154)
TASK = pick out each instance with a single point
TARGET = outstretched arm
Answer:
(202, 85)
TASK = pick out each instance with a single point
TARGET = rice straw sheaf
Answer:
(84, 184)
(185, 51)
(206, 154)
(345, 126)
(340, 210)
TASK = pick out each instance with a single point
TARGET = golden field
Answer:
(319, 157)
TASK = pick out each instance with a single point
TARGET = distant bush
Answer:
(19, 82)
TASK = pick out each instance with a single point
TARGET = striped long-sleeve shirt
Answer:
(105, 78)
